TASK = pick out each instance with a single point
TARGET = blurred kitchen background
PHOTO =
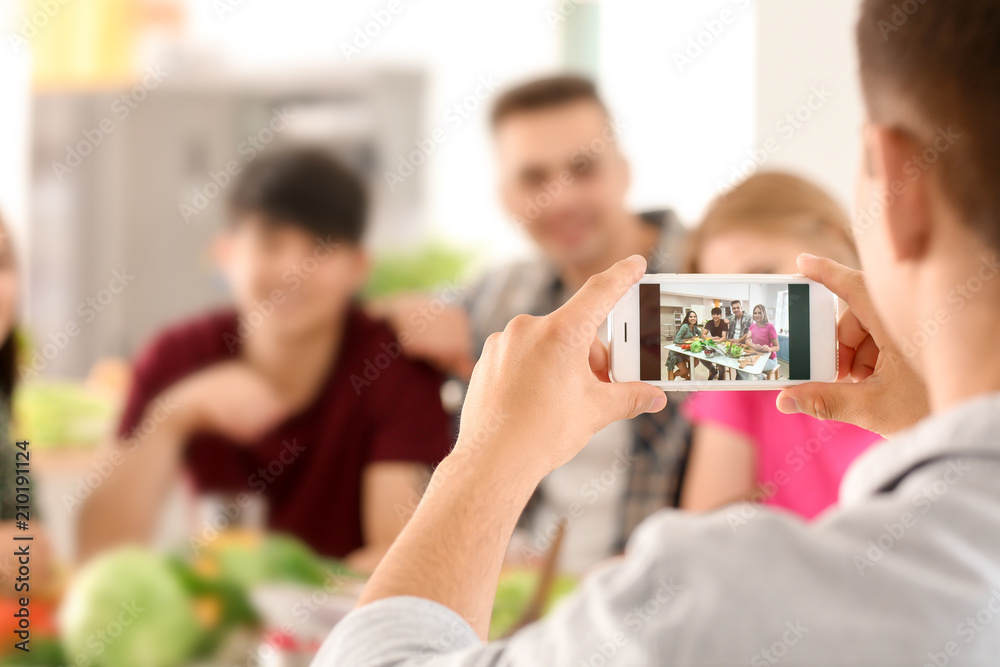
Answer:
(119, 117)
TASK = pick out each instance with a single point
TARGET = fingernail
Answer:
(788, 405)
(659, 402)
(806, 256)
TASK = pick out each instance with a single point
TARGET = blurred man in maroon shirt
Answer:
(294, 395)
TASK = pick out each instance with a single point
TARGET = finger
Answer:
(840, 401)
(849, 285)
(599, 360)
(865, 359)
(591, 304)
(626, 400)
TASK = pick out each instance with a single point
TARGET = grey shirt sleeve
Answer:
(888, 581)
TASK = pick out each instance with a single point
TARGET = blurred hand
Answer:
(877, 388)
(540, 391)
(230, 399)
(430, 331)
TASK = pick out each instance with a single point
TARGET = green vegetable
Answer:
(697, 346)
(128, 608)
(514, 593)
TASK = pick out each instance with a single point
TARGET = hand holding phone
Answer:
(734, 332)
(879, 390)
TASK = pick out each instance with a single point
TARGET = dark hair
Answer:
(687, 319)
(304, 187)
(735, 301)
(763, 313)
(717, 311)
(544, 94)
(930, 68)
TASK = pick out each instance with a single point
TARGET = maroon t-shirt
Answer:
(375, 405)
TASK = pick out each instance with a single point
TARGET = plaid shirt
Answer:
(660, 441)
(738, 327)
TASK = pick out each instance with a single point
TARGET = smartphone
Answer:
(735, 332)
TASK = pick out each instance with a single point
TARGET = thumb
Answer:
(625, 400)
(839, 401)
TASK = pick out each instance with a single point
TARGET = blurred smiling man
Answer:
(267, 399)
(563, 179)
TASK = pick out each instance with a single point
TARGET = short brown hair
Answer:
(772, 202)
(929, 66)
(543, 94)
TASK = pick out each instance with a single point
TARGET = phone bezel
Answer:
(623, 356)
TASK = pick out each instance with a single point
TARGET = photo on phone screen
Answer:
(698, 331)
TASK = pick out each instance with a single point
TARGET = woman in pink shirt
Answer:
(743, 448)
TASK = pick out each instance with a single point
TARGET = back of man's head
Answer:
(931, 69)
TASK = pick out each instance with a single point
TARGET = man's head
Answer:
(929, 205)
(291, 251)
(737, 307)
(716, 315)
(561, 172)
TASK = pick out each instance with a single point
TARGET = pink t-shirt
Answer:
(800, 460)
(763, 334)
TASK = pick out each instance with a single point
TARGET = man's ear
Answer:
(905, 182)
(222, 250)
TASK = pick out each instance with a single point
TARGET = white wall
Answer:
(805, 46)
(681, 75)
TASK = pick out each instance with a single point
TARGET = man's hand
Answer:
(541, 390)
(538, 394)
(876, 389)
(430, 331)
(230, 399)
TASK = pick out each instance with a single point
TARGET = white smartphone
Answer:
(734, 332)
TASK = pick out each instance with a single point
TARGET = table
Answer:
(721, 359)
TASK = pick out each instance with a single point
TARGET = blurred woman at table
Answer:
(689, 331)
(40, 551)
(763, 339)
(743, 448)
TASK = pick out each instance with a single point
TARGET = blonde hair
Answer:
(773, 203)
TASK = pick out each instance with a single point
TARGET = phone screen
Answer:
(757, 332)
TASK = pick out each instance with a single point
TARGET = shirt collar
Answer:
(968, 429)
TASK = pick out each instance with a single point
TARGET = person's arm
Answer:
(389, 493)
(535, 399)
(721, 469)
(226, 398)
(679, 336)
(430, 329)
(877, 389)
